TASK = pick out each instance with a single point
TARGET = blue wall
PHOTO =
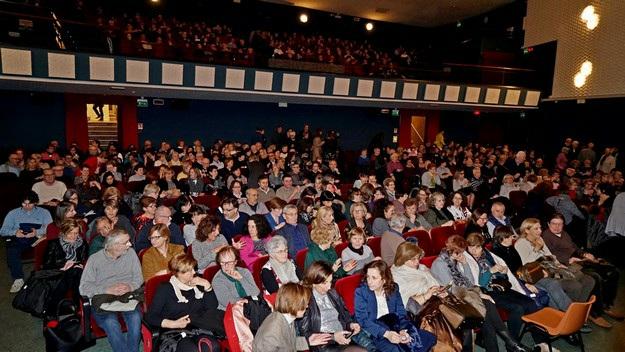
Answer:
(209, 120)
(31, 120)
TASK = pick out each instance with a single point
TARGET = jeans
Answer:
(110, 324)
(557, 297)
(517, 305)
(14, 255)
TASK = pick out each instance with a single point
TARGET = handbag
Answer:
(169, 340)
(432, 320)
(531, 273)
(500, 284)
(64, 333)
(33, 296)
(460, 313)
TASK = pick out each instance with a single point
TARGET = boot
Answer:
(512, 345)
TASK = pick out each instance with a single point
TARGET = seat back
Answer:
(257, 267)
(575, 317)
(346, 288)
(427, 261)
(141, 254)
(40, 252)
(300, 258)
(439, 237)
(340, 247)
(423, 239)
(374, 244)
(210, 271)
(460, 227)
(342, 225)
(231, 331)
(150, 289)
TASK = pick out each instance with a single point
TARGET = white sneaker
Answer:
(17, 285)
(545, 348)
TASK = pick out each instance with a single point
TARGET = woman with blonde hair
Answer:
(320, 249)
(325, 219)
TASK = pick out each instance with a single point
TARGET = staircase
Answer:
(105, 132)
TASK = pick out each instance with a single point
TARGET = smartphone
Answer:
(349, 334)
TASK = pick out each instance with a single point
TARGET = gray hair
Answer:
(397, 222)
(274, 243)
(113, 237)
(289, 207)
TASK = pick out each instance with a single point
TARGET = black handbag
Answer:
(33, 297)
(65, 333)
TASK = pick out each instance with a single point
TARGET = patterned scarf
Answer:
(458, 278)
(70, 247)
(285, 272)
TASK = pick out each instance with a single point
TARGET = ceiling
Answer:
(422, 13)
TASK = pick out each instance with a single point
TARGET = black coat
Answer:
(54, 257)
(311, 322)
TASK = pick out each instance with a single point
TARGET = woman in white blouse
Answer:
(457, 209)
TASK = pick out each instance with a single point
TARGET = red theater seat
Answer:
(346, 287)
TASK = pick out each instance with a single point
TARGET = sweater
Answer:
(103, 271)
(361, 260)
(526, 251)
(315, 253)
(388, 246)
(19, 216)
(226, 291)
(203, 251)
(153, 261)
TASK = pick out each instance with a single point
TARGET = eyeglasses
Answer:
(231, 262)
(152, 238)
(557, 223)
(281, 251)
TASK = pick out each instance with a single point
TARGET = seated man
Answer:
(232, 221)
(498, 218)
(251, 205)
(21, 228)
(161, 216)
(288, 192)
(265, 192)
(115, 270)
(567, 252)
(296, 235)
(50, 191)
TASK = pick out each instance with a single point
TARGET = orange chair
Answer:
(346, 288)
(340, 247)
(423, 239)
(557, 323)
(300, 258)
(374, 244)
(257, 267)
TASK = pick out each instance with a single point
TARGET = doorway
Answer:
(417, 130)
(102, 122)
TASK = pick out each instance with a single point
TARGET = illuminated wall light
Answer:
(303, 18)
(369, 26)
(590, 17)
(579, 80)
(586, 68)
(584, 71)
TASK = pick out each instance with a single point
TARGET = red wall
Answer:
(432, 123)
(76, 120)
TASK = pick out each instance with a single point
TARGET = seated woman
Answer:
(274, 217)
(64, 211)
(466, 263)
(198, 213)
(194, 183)
(232, 283)
(236, 191)
(437, 214)
(148, 210)
(458, 211)
(417, 283)
(358, 218)
(423, 195)
(279, 269)
(168, 183)
(383, 212)
(414, 220)
(208, 241)
(156, 258)
(380, 312)
(68, 252)
(277, 332)
(119, 221)
(320, 249)
(325, 219)
(185, 301)
(326, 313)
(182, 206)
(508, 185)
(357, 250)
(253, 243)
(477, 223)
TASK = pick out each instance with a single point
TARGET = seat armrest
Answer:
(85, 307)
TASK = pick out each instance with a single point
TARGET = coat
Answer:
(367, 310)
(276, 334)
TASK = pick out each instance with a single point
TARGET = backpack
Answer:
(169, 340)
(33, 297)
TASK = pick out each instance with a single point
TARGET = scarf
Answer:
(180, 286)
(359, 251)
(285, 272)
(237, 284)
(458, 278)
(70, 247)
(496, 222)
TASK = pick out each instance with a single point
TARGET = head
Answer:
(397, 223)
(48, 176)
(159, 235)
(498, 210)
(389, 184)
(71, 195)
(251, 194)
(326, 198)
(358, 211)
(278, 249)
(103, 226)
(475, 244)
(455, 246)
(198, 213)
(275, 206)
(148, 205)
(556, 223)
(457, 199)
(325, 216)
(64, 211)
(162, 215)
(408, 254)
(111, 208)
(117, 243)
(318, 276)
(287, 181)
(230, 208)
(184, 203)
(504, 235)
(207, 229)
(227, 258)
(322, 236)
(292, 299)
(378, 277)
(357, 237)
(290, 214)
(257, 226)
(437, 200)
(70, 230)
(182, 267)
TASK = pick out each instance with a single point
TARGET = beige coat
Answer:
(277, 335)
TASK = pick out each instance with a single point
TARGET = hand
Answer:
(31, 234)
(19, 233)
(319, 339)
(590, 257)
(280, 225)
(179, 323)
(405, 338)
(432, 291)
(68, 264)
(355, 328)
(574, 260)
(200, 281)
(235, 275)
(350, 265)
(118, 289)
(448, 223)
(337, 265)
(487, 297)
(393, 337)
(238, 245)
(339, 337)
(532, 288)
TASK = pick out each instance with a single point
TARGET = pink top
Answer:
(249, 254)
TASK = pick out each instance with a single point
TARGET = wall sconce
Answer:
(590, 17)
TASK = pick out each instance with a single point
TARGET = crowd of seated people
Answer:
(141, 214)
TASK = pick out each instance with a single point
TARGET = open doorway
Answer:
(102, 122)
(417, 130)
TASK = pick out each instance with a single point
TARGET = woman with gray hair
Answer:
(279, 269)
(437, 214)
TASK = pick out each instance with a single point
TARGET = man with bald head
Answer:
(497, 218)
(161, 216)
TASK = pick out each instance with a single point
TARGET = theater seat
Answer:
(346, 288)
(257, 268)
(439, 237)
(374, 244)
(427, 261)
(340, 247)
(423, 239)
(210, 271)
(300, 258)
(148, 333)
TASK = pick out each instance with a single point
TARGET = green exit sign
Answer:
(395, 112)
(142, 103)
